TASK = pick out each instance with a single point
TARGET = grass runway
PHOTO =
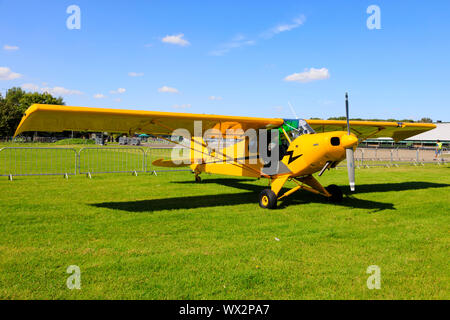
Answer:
(166, 237)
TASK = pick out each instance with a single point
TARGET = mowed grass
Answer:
(166, 237)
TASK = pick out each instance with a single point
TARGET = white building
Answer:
(442, 133)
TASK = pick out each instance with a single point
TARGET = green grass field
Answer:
(166, 237)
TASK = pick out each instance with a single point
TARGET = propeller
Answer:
(349, 152)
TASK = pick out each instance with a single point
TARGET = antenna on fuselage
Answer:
(293, 111)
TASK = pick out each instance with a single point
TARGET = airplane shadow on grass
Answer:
(252, 196)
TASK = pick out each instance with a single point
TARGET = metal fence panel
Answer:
(396, 156)
(111, 160)
(22, 161)
(26, 161)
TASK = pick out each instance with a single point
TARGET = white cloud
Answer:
(168, 89)
(297, 22)
(30, 87)
(10, 48)
(99, 96)
(117, 100)
(309, 75)
(56, 91)
(237, 42)
(7, 74)
(135, 74)
(118, 91)
(182, 106)
(176, 39)
(241, 41)
(215, 98)
(60, 91)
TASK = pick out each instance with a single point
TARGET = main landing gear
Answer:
(268, 197)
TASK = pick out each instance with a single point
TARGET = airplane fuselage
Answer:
(306, 154)
(309, 153)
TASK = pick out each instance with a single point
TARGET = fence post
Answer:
(77, 162)
(148, 157)
(144, 161)
(362, 158)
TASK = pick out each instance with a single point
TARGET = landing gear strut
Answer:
(268, 197)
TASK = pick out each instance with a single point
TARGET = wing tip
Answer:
(31, 109)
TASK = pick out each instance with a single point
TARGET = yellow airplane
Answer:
(226, 144)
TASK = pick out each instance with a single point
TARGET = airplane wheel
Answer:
(198, 179)
(267, 199)
(336, 193)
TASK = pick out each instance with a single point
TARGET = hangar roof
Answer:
(442, 132)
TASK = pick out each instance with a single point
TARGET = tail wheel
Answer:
(267, 199)
(336, 193)
(198, 179)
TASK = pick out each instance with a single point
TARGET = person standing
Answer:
(438, 149)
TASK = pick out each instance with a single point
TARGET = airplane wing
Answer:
(373, 129)
(57, 118)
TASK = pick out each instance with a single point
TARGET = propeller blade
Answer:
(349, 151)
(346, 113)
(351, 168)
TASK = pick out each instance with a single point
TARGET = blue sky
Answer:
(234, 57)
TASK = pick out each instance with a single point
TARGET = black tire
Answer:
(198, 179)
(267, 199)
(336, 193)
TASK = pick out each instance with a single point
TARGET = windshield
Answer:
(295, 128)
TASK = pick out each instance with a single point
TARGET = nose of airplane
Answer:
(348, 141)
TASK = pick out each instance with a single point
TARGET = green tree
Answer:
(14, 105)
(426, 120)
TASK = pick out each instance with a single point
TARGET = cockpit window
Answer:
(306, 127)
(296, 128)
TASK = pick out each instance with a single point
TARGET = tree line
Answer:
(423, 120)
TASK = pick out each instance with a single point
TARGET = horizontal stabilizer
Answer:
(168, 164)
